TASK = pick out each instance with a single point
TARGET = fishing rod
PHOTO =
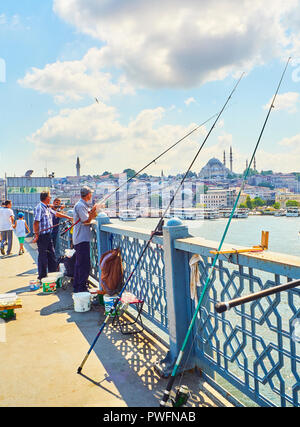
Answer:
(146, 166)
(167, 391)
(220, 307)
(56, 225)
(157, 229)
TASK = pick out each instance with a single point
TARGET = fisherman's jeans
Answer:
(82, 266)
(6, 236)
(46, 257)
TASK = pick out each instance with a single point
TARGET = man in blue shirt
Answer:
(42, 227)
(81, 239)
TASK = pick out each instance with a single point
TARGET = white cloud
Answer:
(183, 44)
(189, 101)
(72, 80)
(288, 101)
(95, 134)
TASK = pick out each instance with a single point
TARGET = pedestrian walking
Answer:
(21, 227)
(6, 227)
(42, 227)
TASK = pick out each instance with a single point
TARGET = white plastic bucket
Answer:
(109, 302)
(69, 253)
(82, 301)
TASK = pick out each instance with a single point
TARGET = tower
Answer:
(78, 167)
(254, 164)
(224, 159)
(247, 164)
(230, 159)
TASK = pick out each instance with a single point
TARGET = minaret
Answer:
(230, 159)
(254, 164)
(78, 167)
(224, 159)
(247, 164)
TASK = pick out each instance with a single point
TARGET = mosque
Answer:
(216, 169)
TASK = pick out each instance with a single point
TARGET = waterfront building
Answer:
(283, 197)
(25, 191)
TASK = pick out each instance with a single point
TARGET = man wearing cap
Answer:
(81, 238)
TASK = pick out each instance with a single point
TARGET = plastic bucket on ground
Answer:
(34, 285)
(82, 301)
(108, 304)
(49, 284)
(57, 275)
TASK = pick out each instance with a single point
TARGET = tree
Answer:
(249, 203)
(292, 203)
(130, 172)
(258, 202)
(276, 205)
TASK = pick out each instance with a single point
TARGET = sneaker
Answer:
(20, 252)
(2, 251)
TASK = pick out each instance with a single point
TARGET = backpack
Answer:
(111, 271)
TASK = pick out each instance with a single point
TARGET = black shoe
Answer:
(2, 251)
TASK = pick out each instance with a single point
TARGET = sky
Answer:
(116, 82)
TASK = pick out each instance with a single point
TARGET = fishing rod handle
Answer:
(167, 391)
(220, 307)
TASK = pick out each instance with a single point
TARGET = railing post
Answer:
(178, 298)
(103, 243)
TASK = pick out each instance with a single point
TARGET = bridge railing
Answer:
(250, 352)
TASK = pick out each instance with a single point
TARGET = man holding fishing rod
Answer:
(82, 217)
(42, 228)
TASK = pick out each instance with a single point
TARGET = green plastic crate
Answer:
(7, 314)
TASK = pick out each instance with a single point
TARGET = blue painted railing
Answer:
(251, 351)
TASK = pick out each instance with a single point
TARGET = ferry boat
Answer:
(241, 213)
(280, 212)
(211, 213)
(127, 215)
(188, 213)
(292, 212)
(238, 213)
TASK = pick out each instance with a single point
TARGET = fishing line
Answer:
(145, 167)
(157, 228)
(211, 270)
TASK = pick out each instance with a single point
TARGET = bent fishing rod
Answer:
(157, 228)
(168, 389)
(220, 307)
(145, 167)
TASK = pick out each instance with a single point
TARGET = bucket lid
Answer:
(48, 280)
(81, 294)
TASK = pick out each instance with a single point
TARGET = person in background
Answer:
(81, 239)
(42, 227)
(57, 207)
(2, 207)
(20, 227)
(6, 227)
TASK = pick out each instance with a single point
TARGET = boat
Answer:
(211, 213)
(241, 213)
(292, 212)
(127, 215)
(280, 212)
(188, 213)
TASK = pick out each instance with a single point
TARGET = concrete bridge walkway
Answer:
(41, 349)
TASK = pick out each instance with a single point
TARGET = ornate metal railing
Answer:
(252, 350)
(253, 346)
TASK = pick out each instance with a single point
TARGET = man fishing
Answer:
(42, 227)
(82, 217)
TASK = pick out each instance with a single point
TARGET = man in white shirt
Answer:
(6, 229)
